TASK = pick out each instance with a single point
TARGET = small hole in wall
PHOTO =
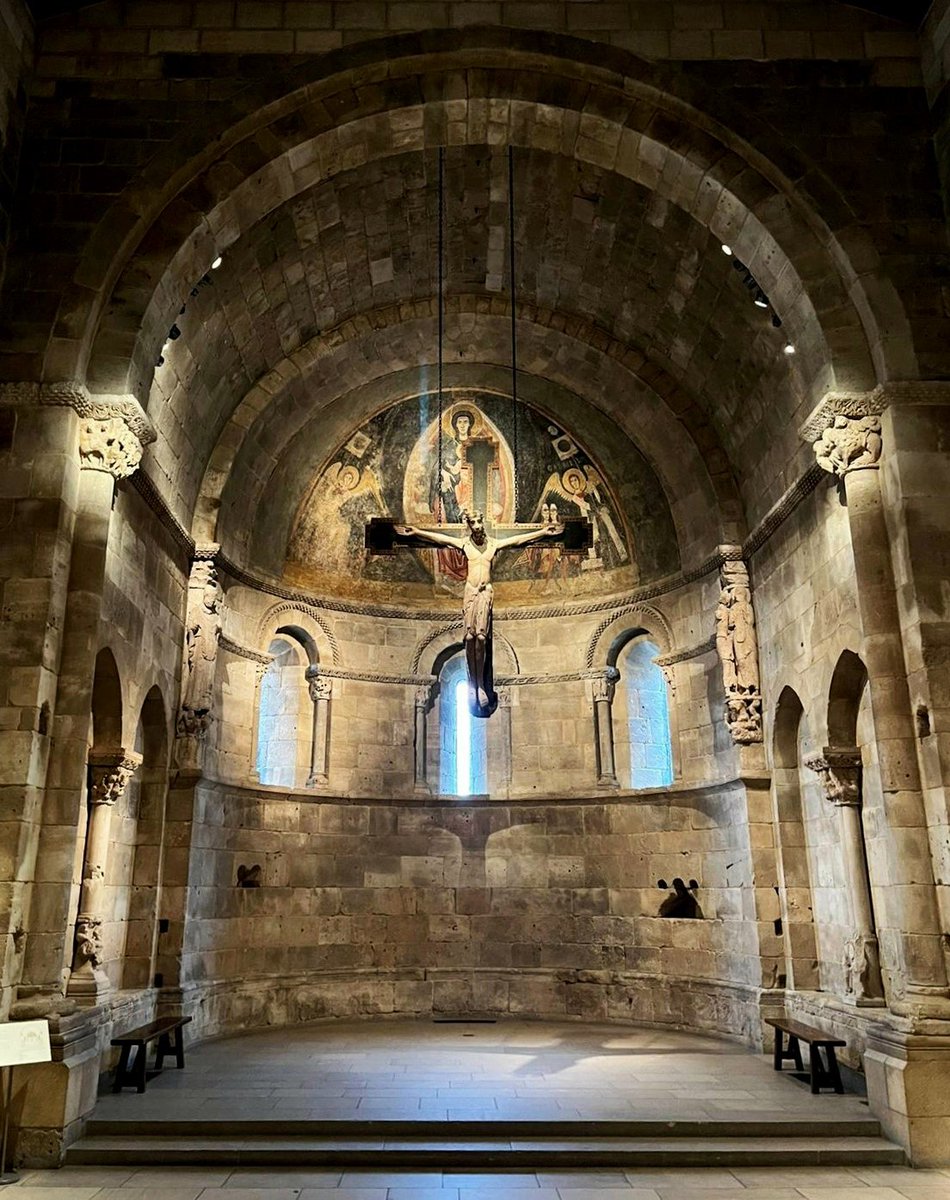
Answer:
(42, 724)
(782, 980)
(923, 721)
(777, 925)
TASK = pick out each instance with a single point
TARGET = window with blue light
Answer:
(278, 715)
(648, 715)
(463, 756)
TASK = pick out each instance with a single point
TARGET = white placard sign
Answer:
(24, 1042)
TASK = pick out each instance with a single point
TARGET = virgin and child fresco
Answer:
(391, 467)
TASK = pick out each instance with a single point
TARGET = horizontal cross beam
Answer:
(381, 536)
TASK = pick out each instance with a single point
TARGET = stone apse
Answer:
(238, 780)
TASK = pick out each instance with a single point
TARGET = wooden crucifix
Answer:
(384, 536)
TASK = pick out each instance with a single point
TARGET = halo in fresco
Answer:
(391, 467)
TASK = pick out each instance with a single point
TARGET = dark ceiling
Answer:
(909, 12)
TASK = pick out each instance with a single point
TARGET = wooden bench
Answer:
(821, 1074)
(166, 1031)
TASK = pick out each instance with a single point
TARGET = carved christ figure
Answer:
(479, 550)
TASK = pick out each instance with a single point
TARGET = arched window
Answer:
(463, 758)
(282, 721)
(644, 708)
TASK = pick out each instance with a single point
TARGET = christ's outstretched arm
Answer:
(430, 535)
(522, 539)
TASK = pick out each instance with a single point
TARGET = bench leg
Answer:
(834, 1075)
(824, 1075)
(122, 1069)
(780, 1054)
(164, 1047)
(179, 1047)
(141, 1062)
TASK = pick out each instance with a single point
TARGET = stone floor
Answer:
(425, 1071)
(512, 1069)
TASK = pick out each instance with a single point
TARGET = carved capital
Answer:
(109, 775)
(320, 687)
(88, 947)
(849, 443)
(603, 686)
(840, 774)
(422, 697)
(108, 444)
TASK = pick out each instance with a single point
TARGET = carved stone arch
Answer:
(613, 629)
(431, 650)
(313, 624)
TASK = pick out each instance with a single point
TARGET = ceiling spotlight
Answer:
(789, 348)
(216, 263)
(761, 301)
(776, 321)
(726, 249)
(174, 333)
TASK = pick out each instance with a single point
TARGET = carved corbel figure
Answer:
(202, 633)
(88, 945)
(849, 443)
(737, 645)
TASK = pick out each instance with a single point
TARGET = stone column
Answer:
(840, 774)
(321, 693)
(504, 712)
(603, 691)
(109, 774)
(260, 670)
(422, 706)
(850, 447)
(109, 449)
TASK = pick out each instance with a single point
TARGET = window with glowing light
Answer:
(647, 715)
(280, 716)
(463, 758)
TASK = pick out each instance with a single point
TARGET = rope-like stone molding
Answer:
(308, 609)
(677, 656)
(449, 627)
(364, 609)
(627, 610)
(244, 651)
(148, 490)
(68, 393)
(800, 490)
(373, 676)
(554, 677)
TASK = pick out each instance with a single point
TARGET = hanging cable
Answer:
(441, 241)
(514, 355)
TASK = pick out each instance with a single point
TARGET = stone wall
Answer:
(548, 909)
(16, 63)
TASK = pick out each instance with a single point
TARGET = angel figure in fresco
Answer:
(479, 551)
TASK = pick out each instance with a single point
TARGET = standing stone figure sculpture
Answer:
(737, 645)
(201, 649)
(479, 550)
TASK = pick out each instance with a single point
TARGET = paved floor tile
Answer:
(283, 1177)
(97, 1177)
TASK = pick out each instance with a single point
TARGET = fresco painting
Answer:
(392, 467)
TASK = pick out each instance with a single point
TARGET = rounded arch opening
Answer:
(641, 712)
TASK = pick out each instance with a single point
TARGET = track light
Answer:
(216, 263)
(789, 348)
(727, 249)
(761, 300)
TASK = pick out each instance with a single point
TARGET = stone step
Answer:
(480, 1153)
(504, 1128)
